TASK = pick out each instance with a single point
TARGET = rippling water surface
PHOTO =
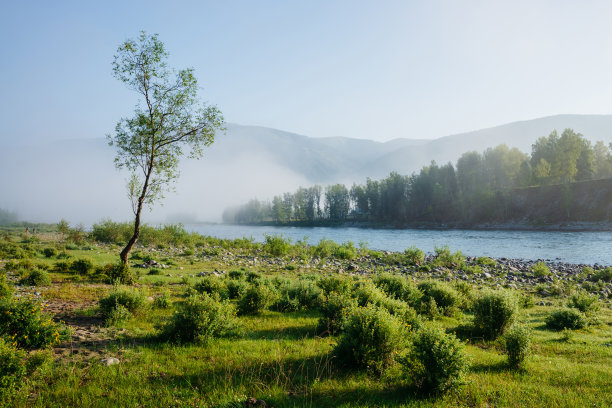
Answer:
(574, 247)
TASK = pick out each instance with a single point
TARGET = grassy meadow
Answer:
(278, 333)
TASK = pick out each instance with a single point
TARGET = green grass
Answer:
(278, 357)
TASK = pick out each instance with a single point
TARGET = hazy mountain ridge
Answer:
(77, 180)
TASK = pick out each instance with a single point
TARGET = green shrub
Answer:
(526, 301)
(447, 299)
(517, 343)
(49, 252)
(236, 288)
(414, 256)
(199, 319)
(276, 245)
(495, 312)
(23, 322)
(162, 301)
(472, 269)
(6, 290)
(540, 269)
(256, 299)
(334, 309)
(253, 277)
(12, 367)
(212, 285)
(399, 288)
(298, 295)
(370, 339)
(36, 278)
(604, 275)
(334, 284)
(154, 271)
(114, 306)
(63, 266)
(324, 248)
(485, 261)
(446, 259)
(586, 303)
(437, 361)
(236, 274)
(345, 251)
(566, 319)
(82, 266)
(119, 272)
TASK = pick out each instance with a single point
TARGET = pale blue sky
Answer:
(366, 69)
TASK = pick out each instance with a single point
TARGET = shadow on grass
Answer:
(290, 382)
(500, 367)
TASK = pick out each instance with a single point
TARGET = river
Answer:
(574, 247)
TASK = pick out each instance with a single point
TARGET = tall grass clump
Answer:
(436, 362)
(370, 339)
(199, 319)
(517, 345)
(212, 285)
(495, 312)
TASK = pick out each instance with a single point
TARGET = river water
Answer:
(573, 247)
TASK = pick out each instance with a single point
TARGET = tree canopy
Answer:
(168, 122)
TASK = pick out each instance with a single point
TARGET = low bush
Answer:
(345, 251)
(162, 301)
(212, 285)
(540, 269)
(256, 299)
(324, 248)
(604, 275)
(298, 295)
(586, 303)
(445, 258)
(414, 256)
(49, 252)
(334, 284)
(370, 339)
(6, 290)
(447, 299)
(436, 362)
(36, 278)
(236, 274)
(82, 266)
(495, 312)
(12, 367)
(236, 288)
(23, 322)
(399, 288)
(334, 309)
(276, 245)
(154, 271)
(566, 319)
(517, 344)
(121, 304)
(486, 261)
(199, 319)
(63, 266)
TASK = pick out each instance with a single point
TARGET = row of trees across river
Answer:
(472, 191)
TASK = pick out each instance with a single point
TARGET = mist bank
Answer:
(76, 179)
(566, 179)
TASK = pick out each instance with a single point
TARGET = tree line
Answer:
(476, 189)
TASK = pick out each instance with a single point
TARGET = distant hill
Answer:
(77, 180)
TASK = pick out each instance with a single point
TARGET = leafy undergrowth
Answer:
(283, 357)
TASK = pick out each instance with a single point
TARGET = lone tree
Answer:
(169, 119)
